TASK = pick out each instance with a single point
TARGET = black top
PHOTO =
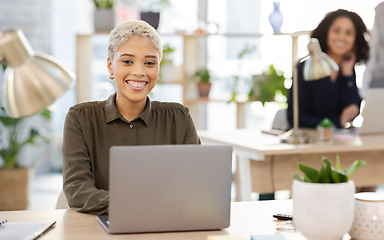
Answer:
(323, 99)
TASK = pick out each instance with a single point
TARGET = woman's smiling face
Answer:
(135, 66)
(341, 36)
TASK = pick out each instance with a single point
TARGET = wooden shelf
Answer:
(169, 82)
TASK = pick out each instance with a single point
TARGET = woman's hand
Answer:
(348, 63)
(348, 114)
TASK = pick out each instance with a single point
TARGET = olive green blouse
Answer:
(92, 128)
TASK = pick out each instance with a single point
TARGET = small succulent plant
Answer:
(328, 173)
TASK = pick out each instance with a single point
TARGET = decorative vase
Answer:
(104, 19)
(323, 210)
(276, 18)
(14, 188)
(152, 18)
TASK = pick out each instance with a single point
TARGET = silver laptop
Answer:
(373, 112)
(168, 188)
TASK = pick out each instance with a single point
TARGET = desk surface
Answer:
(266, 144)
(247, 218)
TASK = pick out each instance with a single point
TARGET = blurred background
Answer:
(233, 39)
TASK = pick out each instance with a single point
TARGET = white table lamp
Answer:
(32, 81)
(317, 66)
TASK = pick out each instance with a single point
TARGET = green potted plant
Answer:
(268, 85)
(14, 177)
(104, 15)
(203, 81)
(323, 200)
(325, 129)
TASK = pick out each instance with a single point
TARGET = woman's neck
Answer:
(130, 110)
(338, 60)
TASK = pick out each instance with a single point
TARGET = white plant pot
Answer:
(323, 211)
(104, 19)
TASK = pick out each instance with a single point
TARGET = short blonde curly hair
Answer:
(130, 28)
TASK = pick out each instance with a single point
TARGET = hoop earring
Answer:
(112, 76)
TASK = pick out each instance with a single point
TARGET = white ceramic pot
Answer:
(323, 211)
(104, 19)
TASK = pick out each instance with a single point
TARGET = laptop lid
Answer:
(373, 112)
(169, 188)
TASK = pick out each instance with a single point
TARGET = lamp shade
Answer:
(32, 81)
(319, 65)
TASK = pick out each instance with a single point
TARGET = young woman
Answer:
(341, 36)
(128, 117)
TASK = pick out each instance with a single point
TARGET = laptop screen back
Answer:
(169, 188)
(373, 112)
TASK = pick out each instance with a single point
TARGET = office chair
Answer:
(280, 121)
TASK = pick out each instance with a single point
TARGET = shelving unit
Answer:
(198, 106)
(192, 60)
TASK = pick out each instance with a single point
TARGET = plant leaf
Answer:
(9, 121)
(338, 165)
(325, 175)
(46, 113)
(311, 174)
(353, 168)
(326, 123)
(270, 83)
(306, 179)
(297, 177)
(328, 173)
(338, 176)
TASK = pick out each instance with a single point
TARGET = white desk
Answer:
(274, 162)
(247, 218)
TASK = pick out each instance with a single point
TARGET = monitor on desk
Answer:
(169, 188)
(373, 112)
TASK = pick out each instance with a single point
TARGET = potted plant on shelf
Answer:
(151, 11)
(323, 200)
(203, 82)
(104, 16)
(14, 177)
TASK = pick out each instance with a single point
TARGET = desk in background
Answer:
(265, 165)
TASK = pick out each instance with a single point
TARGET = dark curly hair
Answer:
(361, 44)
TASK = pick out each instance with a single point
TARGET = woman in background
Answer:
(127, 117)
(341, 36)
